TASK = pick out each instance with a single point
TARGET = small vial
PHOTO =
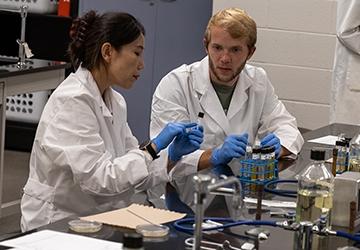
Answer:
(247, 158)
(200, 116)
(263, 167)
(341, 156)
(198, 121)
(268, 157)
(254, 166)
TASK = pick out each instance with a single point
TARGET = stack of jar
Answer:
(346, 154)
(259, 164)
(354, 154)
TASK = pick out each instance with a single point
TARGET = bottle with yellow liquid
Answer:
(315, 191)
(354, 154)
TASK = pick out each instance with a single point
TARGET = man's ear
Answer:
(206, 43)
(251, 52)
(106, 52)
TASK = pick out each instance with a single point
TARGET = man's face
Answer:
(227, 56)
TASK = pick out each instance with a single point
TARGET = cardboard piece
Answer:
(135, 215)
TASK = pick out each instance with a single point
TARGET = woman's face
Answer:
(125, 64)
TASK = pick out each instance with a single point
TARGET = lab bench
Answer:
(36, 75)
(278, 239)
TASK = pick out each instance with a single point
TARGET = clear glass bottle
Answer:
(315, 190)
(354, 154)
(341, 165)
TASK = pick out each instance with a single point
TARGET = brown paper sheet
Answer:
(135, 215)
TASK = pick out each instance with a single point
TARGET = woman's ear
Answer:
(106, 52)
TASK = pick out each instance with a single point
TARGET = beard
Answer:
(225, 80)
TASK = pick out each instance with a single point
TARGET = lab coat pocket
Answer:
(39, 191)
(353, 74)
(37, 203)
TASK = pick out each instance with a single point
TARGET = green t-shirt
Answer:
(225, 94)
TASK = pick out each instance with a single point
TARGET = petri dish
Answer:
(83, 226)
(151, 230)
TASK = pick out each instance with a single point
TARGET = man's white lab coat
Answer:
(345, 92)
(84, 156)
(254, 109)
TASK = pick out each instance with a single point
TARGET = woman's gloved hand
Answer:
(234, 147)
(167, 135)
(272, 140)
(186, 143)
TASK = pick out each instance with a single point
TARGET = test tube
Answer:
(341, 156)
(247, 158)
(255, 167)
(199, 118)
(198, 121)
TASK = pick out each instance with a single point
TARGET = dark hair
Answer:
(91, 31)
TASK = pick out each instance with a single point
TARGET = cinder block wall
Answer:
(296, 46)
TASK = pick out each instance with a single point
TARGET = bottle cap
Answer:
(132, 240)
(201, 115)
(267, 150)
(317, 154)
(347, 139)
(256, 150)
(340, 143)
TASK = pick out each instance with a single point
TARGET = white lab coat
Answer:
(254, 109)
(345, 90)
(84, 156)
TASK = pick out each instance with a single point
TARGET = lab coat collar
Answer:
(241, 93)
(208, 98)
(90, 84)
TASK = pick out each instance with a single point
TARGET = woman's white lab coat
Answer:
(84, 156)
(254, 109)
(345, 92)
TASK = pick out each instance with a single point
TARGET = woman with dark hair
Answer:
(84, 155)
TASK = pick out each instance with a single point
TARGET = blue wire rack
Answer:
(257, 172)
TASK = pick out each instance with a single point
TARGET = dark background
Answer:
(48, 37)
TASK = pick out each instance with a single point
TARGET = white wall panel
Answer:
(259, 12)
(304, 15)
(300, 15)
(295, 48)
(299, 83)
(308, 115)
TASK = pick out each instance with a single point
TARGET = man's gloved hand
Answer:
(186, 143)
(272, 140)
(167, 135)
(234, 146)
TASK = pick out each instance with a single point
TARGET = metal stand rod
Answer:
(23, 13)
(260, 191)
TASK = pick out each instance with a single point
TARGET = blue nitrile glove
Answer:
(186, 143)
(272, 140)
(234, 147)
(167, 135)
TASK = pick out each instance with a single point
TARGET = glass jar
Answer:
(315, 191)
(354, 154)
